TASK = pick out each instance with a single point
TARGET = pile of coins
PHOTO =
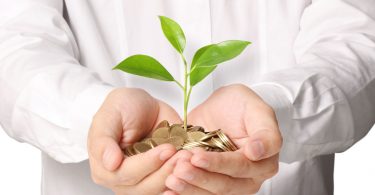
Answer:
(195, 136)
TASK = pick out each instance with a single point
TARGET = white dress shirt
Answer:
(313, 61)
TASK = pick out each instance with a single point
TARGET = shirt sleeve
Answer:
(48, 98)
(326, 103)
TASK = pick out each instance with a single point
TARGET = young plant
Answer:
(204, 61)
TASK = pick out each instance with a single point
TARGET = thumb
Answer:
(103, 141)
(112, 155)
(263, 144)
(265, 139)
(166, 112)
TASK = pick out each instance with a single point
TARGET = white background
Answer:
(20, 168)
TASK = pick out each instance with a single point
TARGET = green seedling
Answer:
(205, 60)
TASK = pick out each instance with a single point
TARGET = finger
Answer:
(265, 137)
(135, 168)
(234, 164)
(166, 112)
(213, 182)
(182, 187)
(134, 131)
(155, 182)
(102, 176)
(131, 171)
(263, 144)
(103, 139)
(169, 192)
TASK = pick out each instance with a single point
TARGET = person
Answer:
(311, 67)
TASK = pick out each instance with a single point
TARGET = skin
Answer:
(252, 126)
(127, 115)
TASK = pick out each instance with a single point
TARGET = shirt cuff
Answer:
(86, 104)
(277, 97)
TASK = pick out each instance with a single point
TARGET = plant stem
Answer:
(179, 84)
(186, 100)
(188, 96)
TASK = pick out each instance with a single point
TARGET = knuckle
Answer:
(252, 187)
(278, 140)
(233, 88)
(243, 167)
(224, 190)
(255, 188)
(96, 179)
(274, 169)
(268, 109)
(184, 154)
(128, 181)
(186, 169)
(240, 171)
(238, 86)
(122, 191)
(218, 160)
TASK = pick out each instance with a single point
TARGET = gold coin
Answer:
(227, 141)
(162, 132)
(191, 145)
(218, 144)
(146, 140)
(195, 135)
(176, 142)
(152, 143)
(129, 151)
(177, 131)
(205, 144)
(209, 135)
(196, 128)
(182, 125)
(214, 141)
(159, 141)
(163, 123)
(141, 147)
(194, 144)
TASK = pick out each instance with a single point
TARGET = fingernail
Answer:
(165, 154)
(257, 148)
(201, 163)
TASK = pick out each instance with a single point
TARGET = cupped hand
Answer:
(252, 126)
(126, 116)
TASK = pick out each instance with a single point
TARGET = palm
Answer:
(226, 109)
(140, 113)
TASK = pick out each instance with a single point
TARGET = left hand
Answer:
(251, 124)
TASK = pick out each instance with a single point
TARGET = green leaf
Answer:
(145, 66)
(174, 33)
(218, 53)
(198, 54)
(199, 73)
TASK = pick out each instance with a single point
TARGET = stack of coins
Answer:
(195, 136)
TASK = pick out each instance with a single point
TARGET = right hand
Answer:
(126, 116)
